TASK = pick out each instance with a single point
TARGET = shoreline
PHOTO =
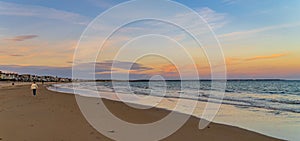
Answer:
(25, 115)
(18, 83)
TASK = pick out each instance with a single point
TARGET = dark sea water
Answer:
(279, 95)
(275, 95)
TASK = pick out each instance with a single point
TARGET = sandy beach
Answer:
(9, 83)
(53, 116)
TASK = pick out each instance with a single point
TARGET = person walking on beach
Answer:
(33, 88)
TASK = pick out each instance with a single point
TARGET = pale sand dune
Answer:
(53, 116)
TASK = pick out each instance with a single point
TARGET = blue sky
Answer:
(241, 14)
(266, 12)
(262, 35)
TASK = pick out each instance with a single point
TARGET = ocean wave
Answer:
(278, 102)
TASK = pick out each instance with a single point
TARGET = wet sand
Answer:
(53, 116)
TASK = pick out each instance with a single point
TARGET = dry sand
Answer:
(53, 116)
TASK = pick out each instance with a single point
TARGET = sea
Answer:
(270, 107)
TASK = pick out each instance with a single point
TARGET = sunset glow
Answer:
(261, 42)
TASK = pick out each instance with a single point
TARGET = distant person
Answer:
(33, 88)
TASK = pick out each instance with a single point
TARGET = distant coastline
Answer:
(15, 77)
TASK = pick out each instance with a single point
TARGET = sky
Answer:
(259, 39)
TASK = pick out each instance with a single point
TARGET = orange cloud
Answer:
(235, 61)
(265, 57)
(169, 68)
